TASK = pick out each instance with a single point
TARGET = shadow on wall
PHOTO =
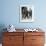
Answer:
(2, 26)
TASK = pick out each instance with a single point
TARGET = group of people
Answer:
(26, 13)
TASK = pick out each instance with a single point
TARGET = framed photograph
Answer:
(26, 13)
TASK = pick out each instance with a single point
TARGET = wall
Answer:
(10, 13)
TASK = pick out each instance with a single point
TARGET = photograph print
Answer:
(26, 13)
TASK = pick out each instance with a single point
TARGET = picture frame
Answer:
(26, 13)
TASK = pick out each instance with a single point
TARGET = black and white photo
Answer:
(26, 13)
